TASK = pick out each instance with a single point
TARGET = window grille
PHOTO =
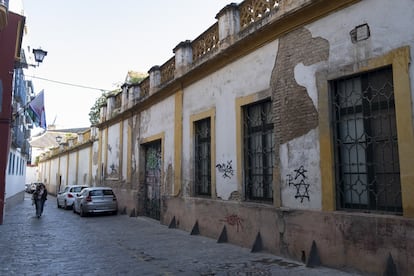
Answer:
(366, 147)
(203, 157)
(258, 151)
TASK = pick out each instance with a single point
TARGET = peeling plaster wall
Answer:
(296, 118)
(159, 119)
(248, 75)
(135, 150)
(124, 151)
(390, 27)
(299, 160)
(112, 166)
(95, 163)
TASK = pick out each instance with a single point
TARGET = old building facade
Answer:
(285, 124)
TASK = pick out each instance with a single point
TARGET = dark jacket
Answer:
(37, 192)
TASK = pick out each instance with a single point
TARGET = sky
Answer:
(94, 43)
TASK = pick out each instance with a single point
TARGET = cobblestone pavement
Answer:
(63, 243)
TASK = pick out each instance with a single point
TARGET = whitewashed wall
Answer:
(15, 181)
(54, 173)
(390, 26)
(248, 75)
(124, 150)
(113, 148)
(95, 164)
(158, 119)
(63, 170)
(386, 35)
(83, 166)
(72, 169)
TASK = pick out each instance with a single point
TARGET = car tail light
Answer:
(88, 198)
(70, 195)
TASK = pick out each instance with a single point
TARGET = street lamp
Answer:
(39, 55)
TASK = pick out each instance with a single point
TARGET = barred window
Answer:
(258, 151)
(202, 157)
(366, 148)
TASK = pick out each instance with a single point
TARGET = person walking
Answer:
(39, 197)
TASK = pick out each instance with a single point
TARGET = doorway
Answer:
(152, 198)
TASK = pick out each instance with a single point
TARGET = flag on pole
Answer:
(37, 110)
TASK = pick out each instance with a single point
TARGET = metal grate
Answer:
(202, 157)
(258, 151)
(152, 202)
(366, 147)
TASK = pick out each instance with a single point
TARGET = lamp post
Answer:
(39, 55)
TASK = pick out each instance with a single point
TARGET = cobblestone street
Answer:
(63, 243)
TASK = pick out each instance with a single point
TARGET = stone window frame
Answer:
(201, 159)
(240, 103)
(399, 59)
(210, 113)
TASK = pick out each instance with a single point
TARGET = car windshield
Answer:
(77, 189)
(101, 192)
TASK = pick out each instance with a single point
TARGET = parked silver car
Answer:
(95, 200)
(66, 197)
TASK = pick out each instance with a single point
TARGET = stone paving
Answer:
(63, 243)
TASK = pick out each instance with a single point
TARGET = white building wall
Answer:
(390, 27)
(15, 174)
(386, 34)
(95, 163)
(63, 170)
(83, 166)
(54, 173)
(159, 119)
(113, 154)
(248, 75)
(125, 150)
(72, 168)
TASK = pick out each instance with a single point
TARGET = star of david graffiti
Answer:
(302, 188)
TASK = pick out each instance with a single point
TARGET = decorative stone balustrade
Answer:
(232, 20)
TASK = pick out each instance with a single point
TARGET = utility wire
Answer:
(70, 84)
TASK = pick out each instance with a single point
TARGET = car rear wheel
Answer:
(57, 202)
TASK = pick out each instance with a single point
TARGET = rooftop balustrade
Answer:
(236, 18)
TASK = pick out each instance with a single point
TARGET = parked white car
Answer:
(96, 200)
(66, 197)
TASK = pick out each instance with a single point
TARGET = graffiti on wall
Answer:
(226, 169)
(234, 220)
(113, 169)
(299, 182)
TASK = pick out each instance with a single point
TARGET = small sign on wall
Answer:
(360, 33)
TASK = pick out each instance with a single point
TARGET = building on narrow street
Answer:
(285, 126)
(13, 147)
